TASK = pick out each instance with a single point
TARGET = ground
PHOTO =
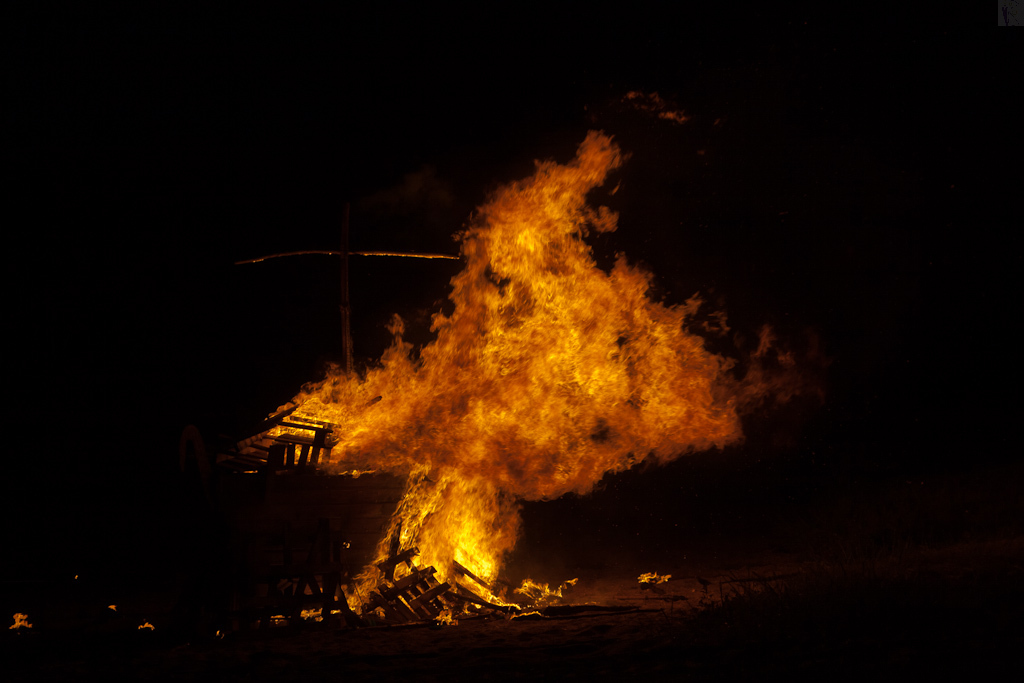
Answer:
(945, 610)
(866, 573)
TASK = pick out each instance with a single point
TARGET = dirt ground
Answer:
(902, 578)
(687, 628)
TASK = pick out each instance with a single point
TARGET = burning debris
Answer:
(649, 579)
(418, 596)
(542, 595)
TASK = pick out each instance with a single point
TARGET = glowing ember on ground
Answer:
(20, 621)
(548, 374)
(446, 618)
(653, 578)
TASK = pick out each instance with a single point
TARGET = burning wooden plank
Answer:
(464, 595)
(388, 566)
(465, 572)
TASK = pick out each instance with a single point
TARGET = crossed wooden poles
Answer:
(344, 253)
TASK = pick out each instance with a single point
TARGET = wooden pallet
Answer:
(307, 444)
(415, 597)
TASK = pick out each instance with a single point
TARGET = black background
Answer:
(856, 185)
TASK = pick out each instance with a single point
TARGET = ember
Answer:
(20, 621)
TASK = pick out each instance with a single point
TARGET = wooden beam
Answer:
(325, 252)
(388, 565)
(346, 307)
(429, 595)
(462, 570)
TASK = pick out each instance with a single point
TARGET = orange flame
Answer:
(548, 374)
(653, 578)
(541, 594)
(20, 621)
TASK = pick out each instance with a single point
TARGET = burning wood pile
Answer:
(414, 597)
(418, 596)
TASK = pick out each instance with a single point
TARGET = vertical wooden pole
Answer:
(346, 309)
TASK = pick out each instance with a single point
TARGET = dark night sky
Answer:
(857, 188)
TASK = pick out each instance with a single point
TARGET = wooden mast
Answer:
(346, 308)
(344, 253)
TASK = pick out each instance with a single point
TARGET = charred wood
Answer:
(388, 565)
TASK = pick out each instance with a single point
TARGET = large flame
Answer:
(548, 374)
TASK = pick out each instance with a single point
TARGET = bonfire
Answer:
(548, 374)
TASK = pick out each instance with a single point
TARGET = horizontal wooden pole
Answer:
(404, 254)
